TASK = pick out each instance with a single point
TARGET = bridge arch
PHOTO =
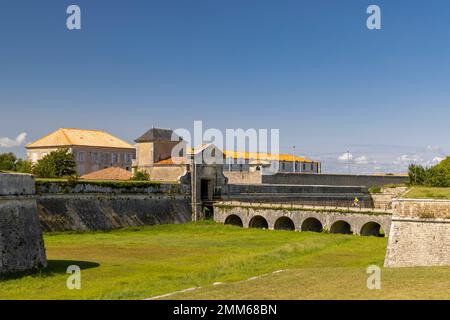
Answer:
(372, 229)
(312, 224)
(342, 227)
(258, 222)
(284, 223)
(234, 220)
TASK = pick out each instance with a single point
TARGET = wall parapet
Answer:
(109, 187)
(16, 184)
(421, 208)
(295, 207)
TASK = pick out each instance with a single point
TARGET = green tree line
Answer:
(436, 176)
(57, 164)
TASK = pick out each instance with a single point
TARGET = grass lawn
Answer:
(149, 261)
(428, 193)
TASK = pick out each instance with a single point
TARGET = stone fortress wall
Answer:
(333, 179)
(104, 206)
(313, 179)
(21, 241)
(420, 233)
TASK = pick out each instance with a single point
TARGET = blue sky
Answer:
(309, 68)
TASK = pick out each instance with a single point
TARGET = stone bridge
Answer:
(363, 222)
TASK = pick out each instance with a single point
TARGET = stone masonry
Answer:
(420, 233)
(357, 220)
(21, 241)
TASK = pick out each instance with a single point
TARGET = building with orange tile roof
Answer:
(93, 149)
(154, 155)
(257, 161)
(112, 173)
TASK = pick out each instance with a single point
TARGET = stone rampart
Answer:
(420, 233)
(21, 241)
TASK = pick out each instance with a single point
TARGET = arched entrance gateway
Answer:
(258, 222)
(284, 223)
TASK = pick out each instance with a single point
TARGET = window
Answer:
(104, 157)
(129, 157)
(94, 156)
(115, 158)
(80, 156)
(81, 170)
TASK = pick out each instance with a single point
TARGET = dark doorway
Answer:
(205, 189)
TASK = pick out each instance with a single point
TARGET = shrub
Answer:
(140, 176)
(375, 189)
(23, 166)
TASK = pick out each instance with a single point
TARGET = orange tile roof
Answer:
(66, 137)
(112, 173)
(178, 160)
(264, 156)
(255, 155)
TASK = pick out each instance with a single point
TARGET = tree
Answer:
(56, 164)
(439, 175)
(140, 176)
(417, 174)
(7, 161)
(23, 166)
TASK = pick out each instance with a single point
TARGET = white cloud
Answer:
(345, 157)
(434, 148)
(9, 143)
(409, 158)
(437, 160)
(362, 160)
